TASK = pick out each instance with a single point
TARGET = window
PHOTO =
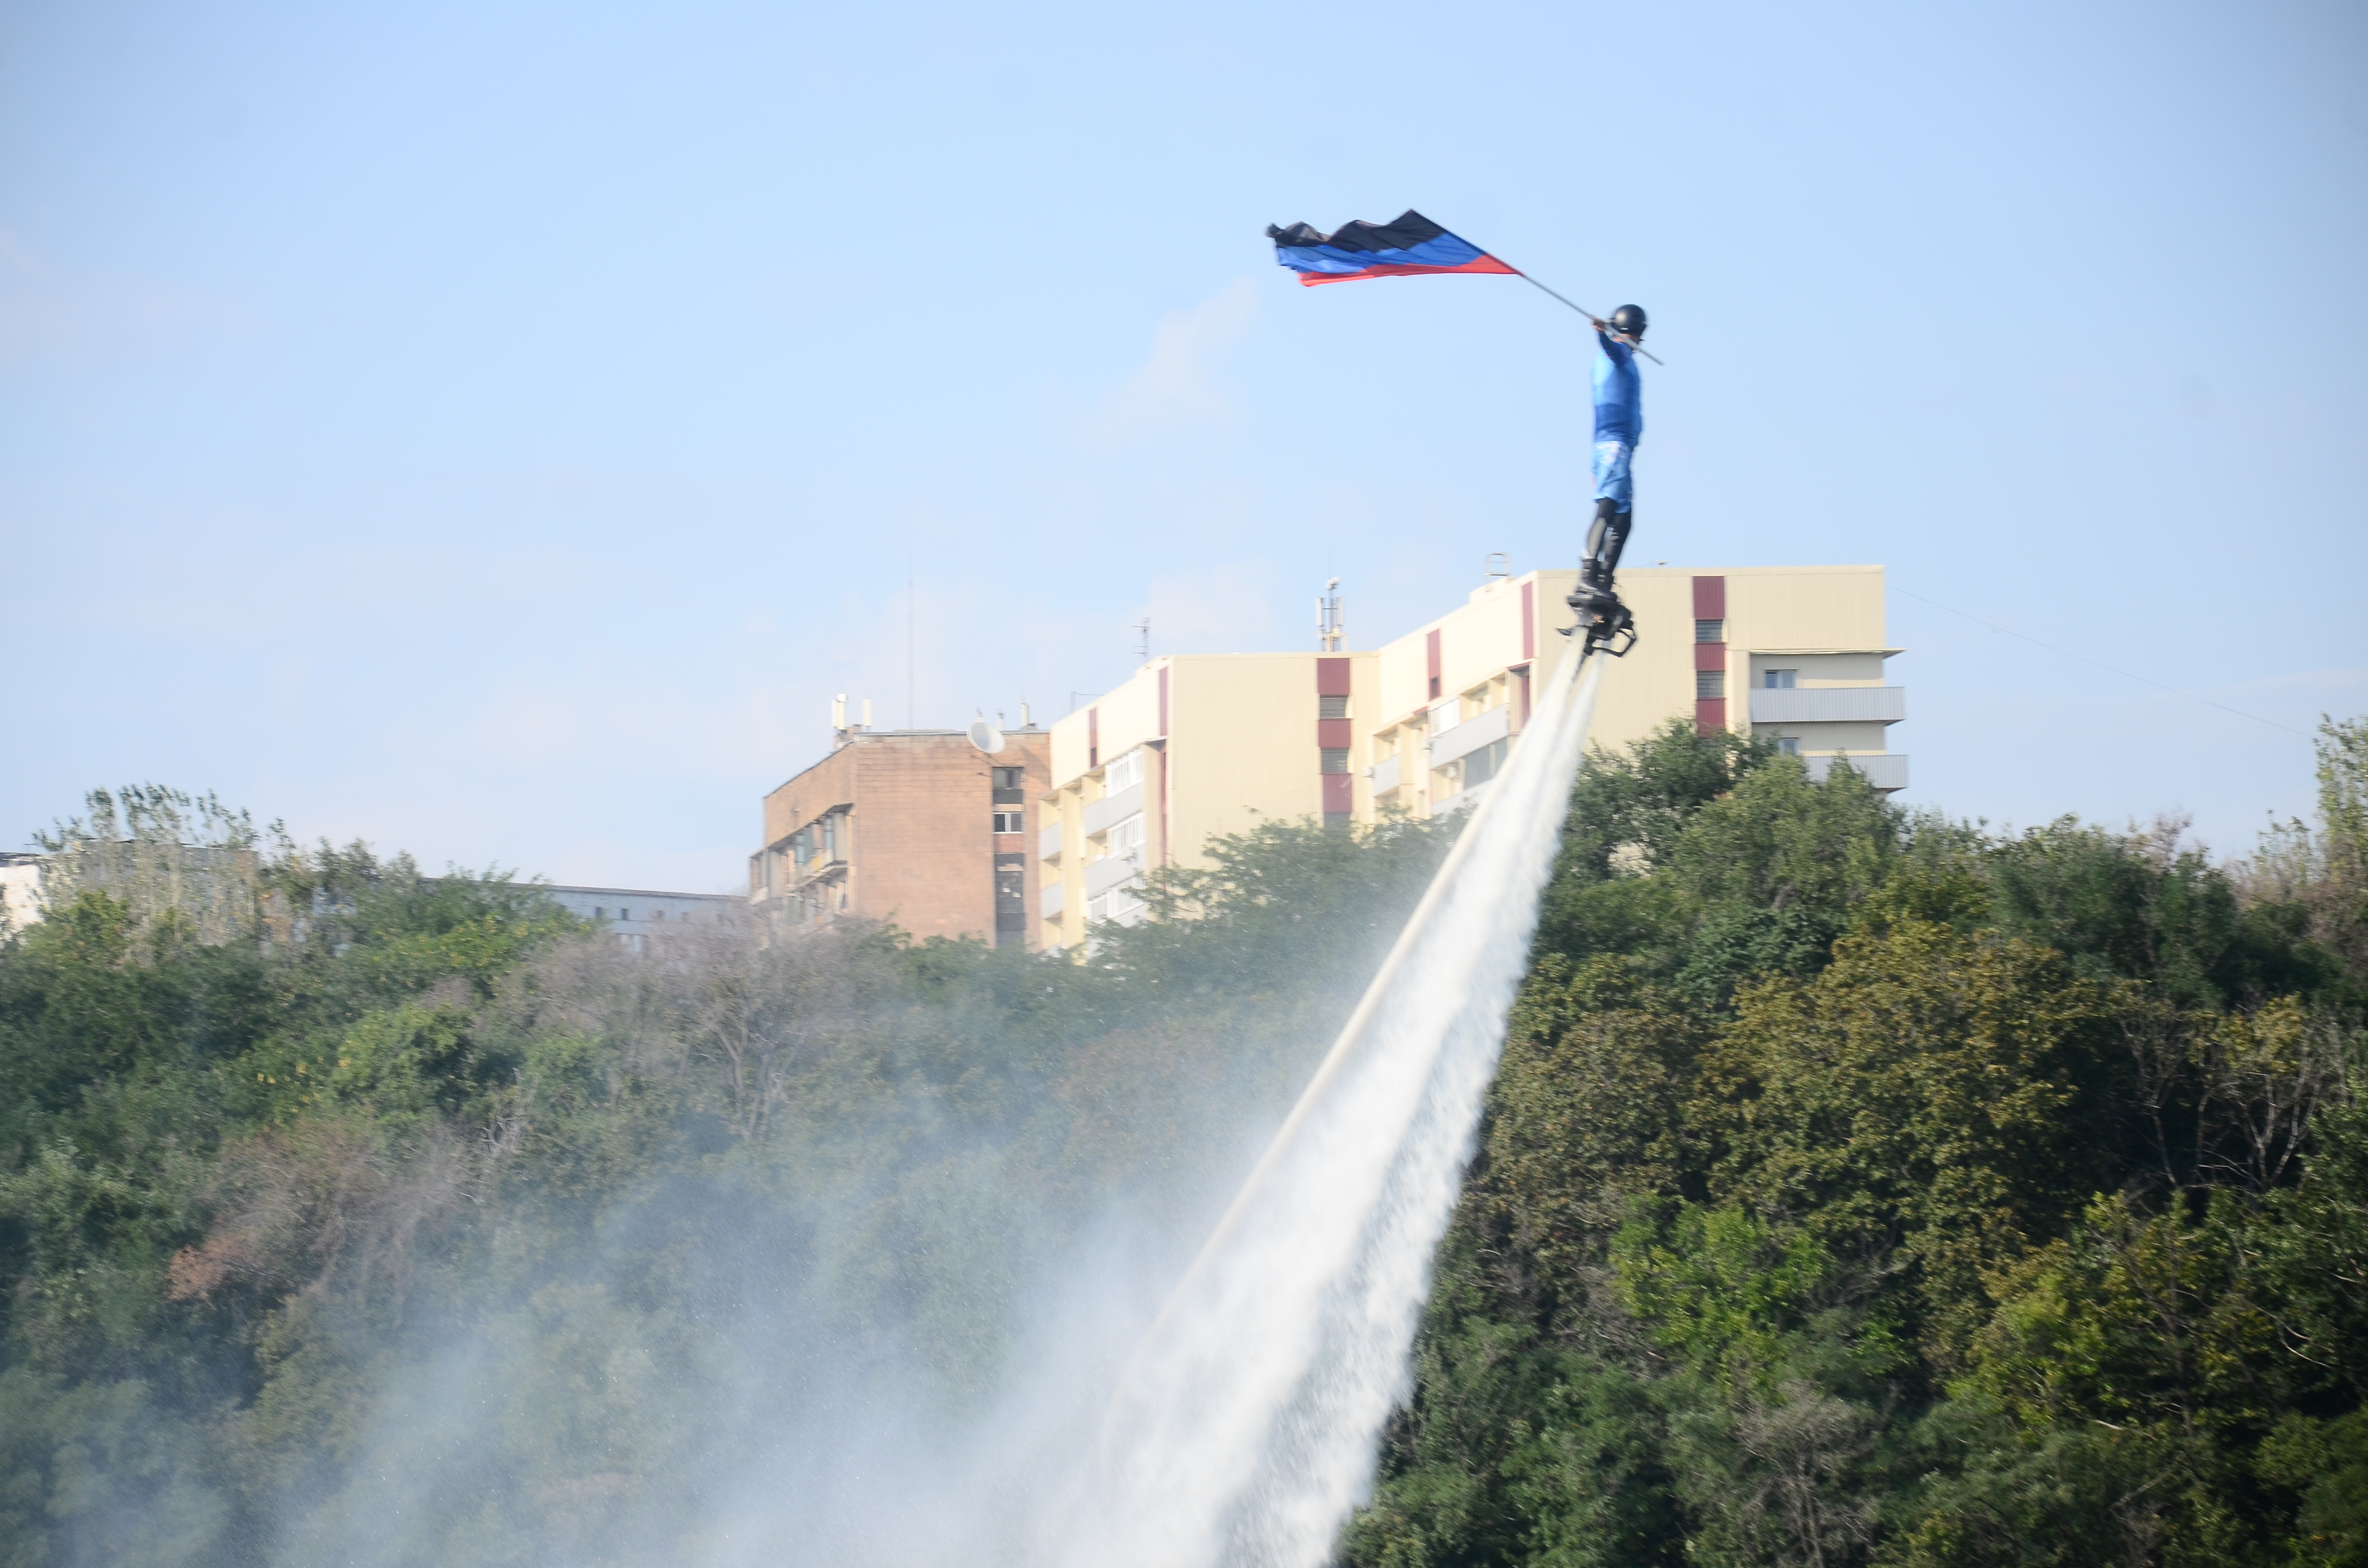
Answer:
(1125, 772)
(624, 914)
(1434, 686)
(599, 913)
(1782, 680)
(1484, 764)
(1709, 685)
(1331, 708)
(1126, 837)
(1443, 716)
(1710, 630)
(1336, 759)
(1010, 778)
(1009, 822)
(1788, 746)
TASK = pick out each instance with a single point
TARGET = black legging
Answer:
(1606, 537)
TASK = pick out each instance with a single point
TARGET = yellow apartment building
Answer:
(1793, 654)
(1195, 746)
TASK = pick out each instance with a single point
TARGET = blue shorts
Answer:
(1612, 473)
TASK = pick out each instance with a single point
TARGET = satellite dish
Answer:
(985, 737)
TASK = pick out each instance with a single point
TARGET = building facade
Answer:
(21, 889)
(635, 914)
(1191, 746)
(914, 826)
(1793, 654)
(1196, 745)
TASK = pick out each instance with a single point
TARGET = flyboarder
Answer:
(1619, 423)
(1411, 244)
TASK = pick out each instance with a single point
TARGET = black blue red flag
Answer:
(1406, 247)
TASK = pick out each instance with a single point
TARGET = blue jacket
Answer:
(1619, 392)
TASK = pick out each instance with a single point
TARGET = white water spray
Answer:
(1244, 1429)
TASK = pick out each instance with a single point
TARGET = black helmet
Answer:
(1628, 321)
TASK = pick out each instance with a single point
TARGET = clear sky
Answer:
(495, 430)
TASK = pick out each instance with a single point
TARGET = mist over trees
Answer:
(1859, 1187)
(348, 1214)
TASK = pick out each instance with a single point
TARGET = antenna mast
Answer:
(1330, 632)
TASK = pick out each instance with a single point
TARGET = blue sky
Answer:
(495, 430)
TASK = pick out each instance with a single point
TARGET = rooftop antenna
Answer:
(1497, 566)
(1329, 630)
(1144, 651)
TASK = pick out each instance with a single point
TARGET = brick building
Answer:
(914, 826)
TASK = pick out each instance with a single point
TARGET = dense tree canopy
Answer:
(1858, 1188)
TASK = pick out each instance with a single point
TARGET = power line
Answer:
(2115, 669)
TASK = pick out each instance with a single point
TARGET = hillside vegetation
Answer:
(1859, 1187)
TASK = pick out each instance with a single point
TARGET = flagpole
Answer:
(1590, 315)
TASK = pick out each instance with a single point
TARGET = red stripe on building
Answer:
(1430, 653)
(1332, 677)
(1340, 793)
(1528, 622)
(1710, 604)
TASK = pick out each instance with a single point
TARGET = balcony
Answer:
(1385, 774)
(1485, 729)
(1830, 705)
(1886, 771)
(1048, 843)
(1051, 900)
(1109, 871)
(1112, 809)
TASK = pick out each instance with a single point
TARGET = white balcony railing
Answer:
(1112, 809)
(1886, 771)
(1385, 774)
(1052, 899)
(1483, 729)
(1048, 843)
(1109, 871)
(1830, 705)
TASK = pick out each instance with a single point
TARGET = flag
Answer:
(1406, 247)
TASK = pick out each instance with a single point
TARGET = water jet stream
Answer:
(1244, 1428)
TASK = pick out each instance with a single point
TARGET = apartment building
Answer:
(1191, 746)
(635, 914)
(1792, 654)
(915, 826)
(1196, 745)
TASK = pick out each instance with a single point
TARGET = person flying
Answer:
(1619, 424)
